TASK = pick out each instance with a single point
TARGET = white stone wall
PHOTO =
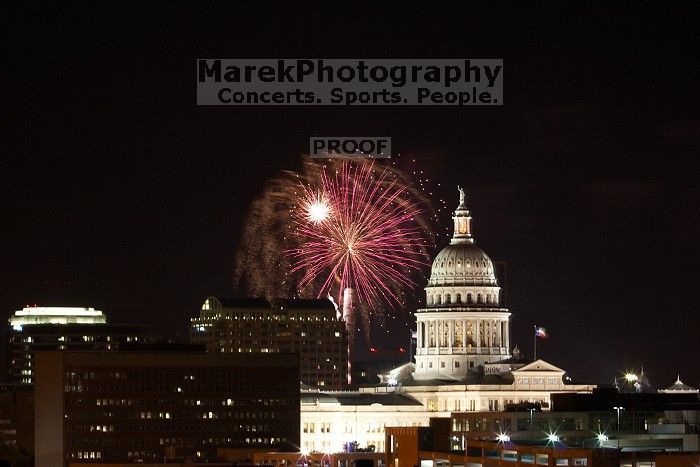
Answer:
(325, 427)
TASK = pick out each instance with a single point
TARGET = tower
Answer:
(463, 325)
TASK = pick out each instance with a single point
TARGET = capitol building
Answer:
(463, 327)
(463, 362)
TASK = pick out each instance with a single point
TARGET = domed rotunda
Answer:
(462, 327)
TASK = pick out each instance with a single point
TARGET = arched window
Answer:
(479, 298)
(459, 298)
(448, 299)
(469, 298)
(488, 298)
(439, 300)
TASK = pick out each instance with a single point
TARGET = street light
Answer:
(617, 409)
(602, 438)
(503, 438)
(531, 409)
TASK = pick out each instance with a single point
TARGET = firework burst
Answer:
(358, 230)
(336, 226)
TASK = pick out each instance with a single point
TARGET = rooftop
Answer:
(56, 315)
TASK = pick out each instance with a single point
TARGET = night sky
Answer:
(118, 192)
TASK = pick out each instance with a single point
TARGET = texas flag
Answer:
(540, 332)
(414, 335)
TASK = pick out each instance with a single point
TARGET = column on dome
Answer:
(426, 334)
(506, 341)
(451, 333)
(435, 333)
(489, 336)
(498, 335)
(503, 334)
(464, 336)
(477, 336)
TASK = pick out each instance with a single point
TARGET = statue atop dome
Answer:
(462, 219)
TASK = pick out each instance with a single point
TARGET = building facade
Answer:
(463, 361)
(310, 328)
(145, 407)
(463, 325)
(330, 421)
(17, 421)
(35, 329)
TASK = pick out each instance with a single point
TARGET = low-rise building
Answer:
(605, 418)
(333, 421)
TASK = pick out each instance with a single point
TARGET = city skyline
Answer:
(123, 195)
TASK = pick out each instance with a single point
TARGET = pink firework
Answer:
(358, 228)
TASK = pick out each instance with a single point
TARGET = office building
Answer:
(37, 328)
(310, 328)
(145, 407)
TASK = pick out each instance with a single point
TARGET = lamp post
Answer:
(531, 409)
(617, 409)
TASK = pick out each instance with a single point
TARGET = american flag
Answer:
(540, 332)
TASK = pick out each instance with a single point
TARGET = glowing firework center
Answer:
(462, 327)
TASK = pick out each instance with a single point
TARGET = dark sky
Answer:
(118, 192)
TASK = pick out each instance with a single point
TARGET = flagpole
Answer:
(410, 346)
(534, 352)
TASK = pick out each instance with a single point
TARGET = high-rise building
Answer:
(144, 407)
(310, 328)
(16, 421)
(64, 328)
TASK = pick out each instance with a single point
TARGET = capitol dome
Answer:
(462, 263)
